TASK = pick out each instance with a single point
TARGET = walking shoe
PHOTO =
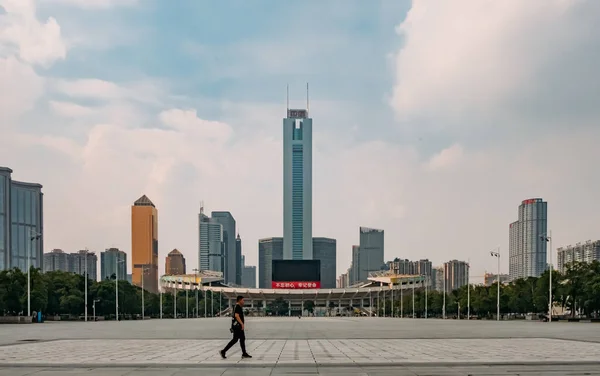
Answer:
(246, 356)
(222, 352)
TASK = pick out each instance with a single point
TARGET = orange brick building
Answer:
(144, 244)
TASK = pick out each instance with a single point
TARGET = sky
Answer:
(432, 120)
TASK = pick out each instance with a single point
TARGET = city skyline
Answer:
(434, 150)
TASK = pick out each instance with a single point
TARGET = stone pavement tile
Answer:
(295, 371)
(18, 371)
(246, 372)
(152, 372)
(199, 372)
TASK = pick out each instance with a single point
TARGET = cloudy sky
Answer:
(432, 119)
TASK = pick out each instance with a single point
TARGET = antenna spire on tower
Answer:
(288, 98)
(307, 104)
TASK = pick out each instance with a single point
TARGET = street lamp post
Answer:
(426, 287)
(160, 294)
(117, 262)
(32, 236)
(94, 307)
(196, 274)
(497, 255)
(469, 289)
(413, 297)
(86, 283)
(444, 296)
(548, 239)
(144, 269)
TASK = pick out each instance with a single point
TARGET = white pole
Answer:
(143, 275)
(117, 288)
(550, 277)
(498, 280)
(187, 304)
(444, 297)
(85, 275)
(401, 299)
(205, 303)
(94, 309)
(175, 301)
(160, 293)
(28, 275)
(196, 272)
(393, 309)
(413, 297)
(426, 287)
(469, 290)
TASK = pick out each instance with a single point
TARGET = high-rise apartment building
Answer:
(248, 275)
(527, 249)
(438, 279)
(113, 264)
(408, 267)
(456, 274)
(269, 249)
(211, 244)
(580, 252)
(324, 249)
(21, 223)
(144, 244)
(230, 258)
(83, 262)
(371, 252)
(175, 263)
(239, 267)
(297, 186)
(56, 260)
(490, 279)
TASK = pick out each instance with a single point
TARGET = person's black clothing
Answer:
(238, 332)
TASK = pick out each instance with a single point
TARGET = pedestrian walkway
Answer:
(320, 352)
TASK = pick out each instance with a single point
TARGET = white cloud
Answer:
(446, 158)
(498, 61)
(93, 4)
(69, 109)
(36, 42)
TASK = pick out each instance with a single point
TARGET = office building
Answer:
(56, 260)
(490, 279)
(175, 263)
(456, 274)
(297, 186)
(113, 264)
(21, 223)
(230, 258)
(144, 244)
(370, 253)
(353, 276)
(211, 244)
(324, 249)
(130, 278)
(527, 249)
(438, 279)
(239, 263)
(580, 252)
(269, 249)
(248, 275)
(83, 262)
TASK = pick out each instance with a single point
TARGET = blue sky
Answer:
(432, 121)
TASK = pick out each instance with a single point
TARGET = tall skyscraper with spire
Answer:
(297, 185)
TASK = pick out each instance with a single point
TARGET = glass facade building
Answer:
(230, 256)
(211, 244)
(324, 250)
(113, 262)
(370, 252)
(297, 186)
(527, 251)
(21, 223)
(268, 250)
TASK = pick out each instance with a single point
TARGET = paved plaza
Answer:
(361, 346)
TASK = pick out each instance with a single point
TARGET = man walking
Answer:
(237, 328)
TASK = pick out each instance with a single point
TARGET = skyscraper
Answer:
(353, 271)
(175, 263)
(269, 249)
(113, 263)
(21, 223)
(211, 245)
(144, 244)
(527, 252)
(297, 186)
(370, 253)
(56, 260)
(580, 252)
(83, 262)
(248, 275)
(230, 253)
(324, 249)
(239, 268)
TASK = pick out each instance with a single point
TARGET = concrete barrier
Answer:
(16, 320)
